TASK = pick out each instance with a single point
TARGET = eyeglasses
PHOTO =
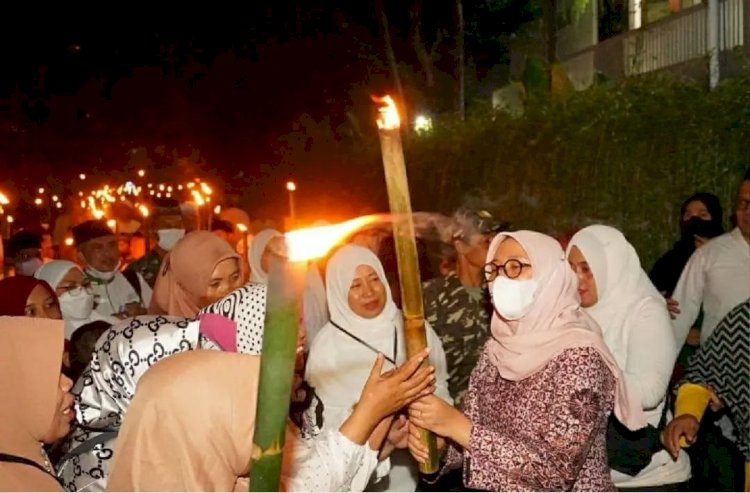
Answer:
(76, 289)
(512, 268)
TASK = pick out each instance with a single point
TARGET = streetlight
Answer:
(291, 187)
(141, 173)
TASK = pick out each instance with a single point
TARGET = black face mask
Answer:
(705, 228)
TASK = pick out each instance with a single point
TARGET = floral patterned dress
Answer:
(546, 432)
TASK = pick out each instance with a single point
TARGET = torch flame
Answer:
(144, 210)
(389, 118)
(3, 199)
(312, 243)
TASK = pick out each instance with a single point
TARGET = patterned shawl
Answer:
(723, 362)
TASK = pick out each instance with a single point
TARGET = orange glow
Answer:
(41, 191)
(82, 176)
(291, 186)
(198, 198)
(3, 199)
(141, 173)
(389, 118)
(206, 189)
(144, 210)
(98, 214)
(217, 210)
(312, 243)
(10, 219)
(242, 228)
(69, 241)
(112, 223)
(38, 201)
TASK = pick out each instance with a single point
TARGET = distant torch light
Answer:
(68, 241)
(10, 219)
(82, 176)
(291, 186)
(423, 124)
(217, 210)
(242, 228)
(55, 198)
(80, 194)
(38, 201)
(112, 223)
(41, 190)
(58, 205)
(141, 173)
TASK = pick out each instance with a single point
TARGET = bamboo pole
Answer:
(276, 374)
(406, 248)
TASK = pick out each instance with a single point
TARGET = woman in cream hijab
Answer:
(38, 405)
(534, 416)
(199, 270)
(206, 447)
(259, 252)
(364, 322)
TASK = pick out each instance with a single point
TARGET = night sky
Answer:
(83, 91)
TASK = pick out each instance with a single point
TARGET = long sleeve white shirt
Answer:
(717, 277)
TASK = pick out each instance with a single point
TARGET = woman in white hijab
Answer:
(314, 309)
(636, 327)
(74, 293)
(259, 252)
(364, 322)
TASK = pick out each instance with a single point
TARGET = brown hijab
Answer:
(186, 271)
(190, 425)
(30, 360)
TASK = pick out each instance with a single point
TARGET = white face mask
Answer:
(79, 306)
(168, 238)
(512, 298)
(28, 267)
(98, 275)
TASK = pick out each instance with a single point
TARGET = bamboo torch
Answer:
(406, 247)
(285, 284)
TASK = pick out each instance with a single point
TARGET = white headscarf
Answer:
(53, 272)
(260, 242)
(621, 283)
(338, 364)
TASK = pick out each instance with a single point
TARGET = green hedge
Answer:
(625, 153)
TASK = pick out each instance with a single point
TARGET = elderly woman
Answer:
(200, 269)
(616, 292)
(364, 322)
(535, 414)
(38, 404)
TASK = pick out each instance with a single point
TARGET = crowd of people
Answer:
(552, 364)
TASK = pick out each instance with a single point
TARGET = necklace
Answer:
(43, 453)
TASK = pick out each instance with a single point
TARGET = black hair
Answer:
(222, 225)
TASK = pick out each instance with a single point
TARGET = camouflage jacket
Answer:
(148, 267)
(463, 325)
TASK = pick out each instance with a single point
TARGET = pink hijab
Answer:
(555, 322)
(186, 271)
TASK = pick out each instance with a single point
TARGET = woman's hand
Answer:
(398, 435)
(434, 414)
(417, 449)
(682, 426)
(384, 394)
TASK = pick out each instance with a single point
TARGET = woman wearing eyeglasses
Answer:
(535, 414)
(83, 325)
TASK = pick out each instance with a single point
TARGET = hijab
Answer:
(667, 269)
(202, 446)
(339, 364)
(53, 272)
(186, 272)
(554, 322)
(621, 283)
(14, 294)
(30, 360)
(260, 242)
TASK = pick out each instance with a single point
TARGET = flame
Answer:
(312, 243)
(10, 219)
(206, 189)
(3, 199)
(242, 228)
(69, 241)
(98, 214)
(144, 210)
(112, 223)
(389, 118)
(198, 198)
